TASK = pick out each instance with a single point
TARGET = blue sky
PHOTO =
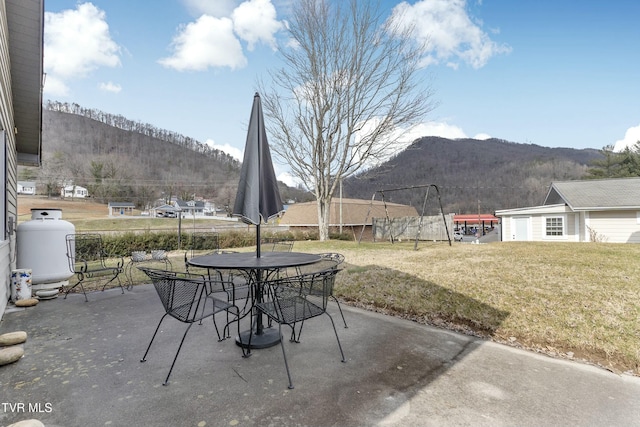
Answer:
(557, 73)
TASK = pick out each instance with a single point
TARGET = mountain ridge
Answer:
(129, 162)
(471, 174)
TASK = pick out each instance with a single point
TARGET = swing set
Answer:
(424, 205)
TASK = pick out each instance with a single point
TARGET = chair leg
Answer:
(296, 337)
(116, 273)
(284, 354)
(166, 382)
(246, 351)
(128, 274)
(215, 325)
(340, 308)
(337, 338)
(144, 358)
(81, 287)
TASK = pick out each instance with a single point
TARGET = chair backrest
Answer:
(338, 258)
(276, 245)
(283, 246)
(332, 259)
(209, 242)
(328, 261)
(84, 248)
(182, 295)
(313, 288)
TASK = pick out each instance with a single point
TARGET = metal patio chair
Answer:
(188, 299)
(292, 300)
(88, 260)
(329, 260)
(333, 260)
(276, 245)
(201, 243)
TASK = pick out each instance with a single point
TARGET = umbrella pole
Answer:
(258, 240)
(259, 326)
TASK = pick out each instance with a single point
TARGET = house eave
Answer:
(25, 20)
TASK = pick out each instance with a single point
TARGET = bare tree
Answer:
(350, 83)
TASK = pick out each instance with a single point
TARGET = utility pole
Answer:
(479, 223)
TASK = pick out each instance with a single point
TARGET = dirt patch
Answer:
(71, 208)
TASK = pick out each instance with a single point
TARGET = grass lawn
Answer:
(573, 300)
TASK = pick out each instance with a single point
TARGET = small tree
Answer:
(625, 163)
(349, 86)
(53, 173)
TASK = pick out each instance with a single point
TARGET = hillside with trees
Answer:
(472, 174)
(118, 159)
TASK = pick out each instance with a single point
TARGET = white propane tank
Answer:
(42, 247)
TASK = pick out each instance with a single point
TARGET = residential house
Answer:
(165, 211)
(191, 208)
(604, 210)
(121, 208)
(26, 187)
(74, 191)
(21, 78)
(356, 214)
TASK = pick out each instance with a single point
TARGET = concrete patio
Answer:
(82, 368)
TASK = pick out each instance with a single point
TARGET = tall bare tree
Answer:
(350, 83)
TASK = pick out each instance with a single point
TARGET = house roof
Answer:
(25, 22)
(121, 205)
(596, 194)
(354, 212)
(186, 205)
(167, 208)
(474, 218)
(559, 208)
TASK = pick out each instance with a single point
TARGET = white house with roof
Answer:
(21, 35)
(602, 210)
(26, 187)
(74, 191)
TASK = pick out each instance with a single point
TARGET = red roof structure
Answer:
(474, 218)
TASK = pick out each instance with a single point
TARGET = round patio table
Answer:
(257, 270)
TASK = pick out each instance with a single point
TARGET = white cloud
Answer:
(207, 42)
(255, 21)
(450, 33)
(441, 129)
(229, 149)
(213, 40)
(55, 86)
(482, 136)
(289, 179)
(110, 87)
(216, 8)
(76, 42)
(631, 136)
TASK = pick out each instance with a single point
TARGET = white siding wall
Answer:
(615, 226)
(536, 224)
(7, 244)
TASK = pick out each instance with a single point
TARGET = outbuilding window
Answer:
(554, 226)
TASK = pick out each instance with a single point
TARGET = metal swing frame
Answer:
(424, 205)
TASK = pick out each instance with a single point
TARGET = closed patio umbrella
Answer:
(258, 198)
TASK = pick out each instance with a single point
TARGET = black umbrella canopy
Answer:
(258, 198)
